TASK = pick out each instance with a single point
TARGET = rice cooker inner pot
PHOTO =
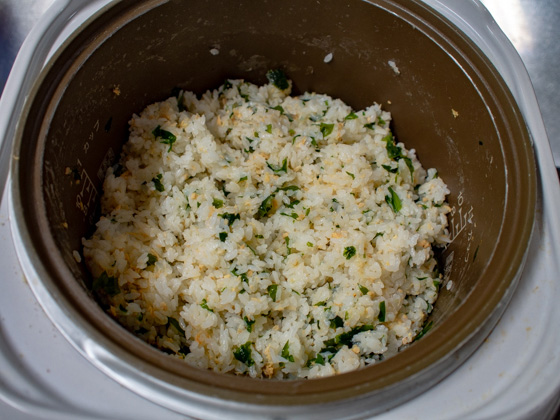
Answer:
(447, 101)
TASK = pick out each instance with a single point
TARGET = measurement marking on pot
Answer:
(91, 136)
(463, 219)
(88, 194)
(459, 221)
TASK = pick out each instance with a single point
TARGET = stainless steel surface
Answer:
(532, 26)
(17, 17)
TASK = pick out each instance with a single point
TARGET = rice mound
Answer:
(256, 233)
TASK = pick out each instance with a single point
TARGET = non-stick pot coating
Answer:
(447, 102)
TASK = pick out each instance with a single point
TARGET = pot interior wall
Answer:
(441, 105)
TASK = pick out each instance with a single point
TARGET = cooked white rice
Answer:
(257, 233)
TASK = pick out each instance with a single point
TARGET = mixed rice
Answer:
(252, 232)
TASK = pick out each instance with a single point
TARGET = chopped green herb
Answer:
(204, 304)
(382, 311)
(272, 290)
(152, 259)
(292, 215)
(326, 129)
(107, 284)
(166, 136)
(157, 183)
(243, 354)
(283, 168)
(223, 188)
(287, 240)
(393, 200)
(380, 121)
(422, 333)
(421, 278)
(351, 175)
(363, 289)
(378, 234)
(393, 151)
(223, 236)
(322, 303)
(244, 96)
(243, 178)
(349, 252)
(175, 324)
(278, 78)
(309, 244)
(259, 236)
(320, 360)
(292, 204)
(249, 324)
(269, 128)
(265, 207)
(345, 339)
(286, 352)
(351, 116)
(217, 203)
(371, 126)
(230, 217)
(242, 276)
(337, 322)
(314, 142)
(251, 248)
(409, 164)
(289, 188)
(279, 109)
(389, 169)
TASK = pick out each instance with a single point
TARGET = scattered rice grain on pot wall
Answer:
(252, 232)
